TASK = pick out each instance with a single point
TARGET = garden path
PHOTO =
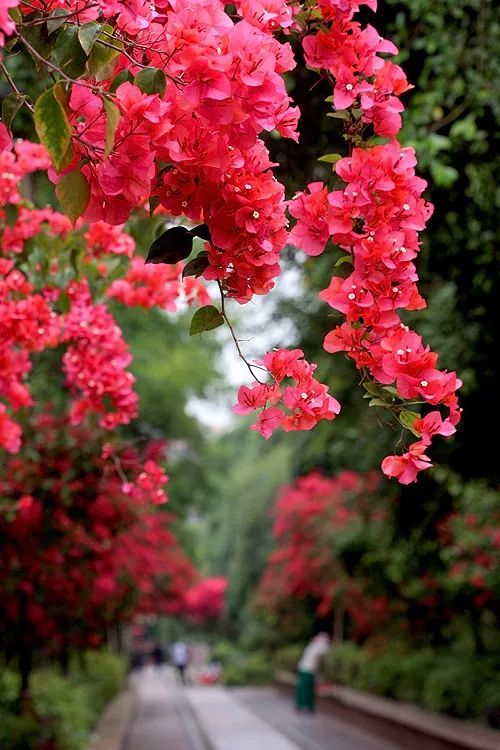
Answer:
(170, 717)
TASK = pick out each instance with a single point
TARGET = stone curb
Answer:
(464, 735)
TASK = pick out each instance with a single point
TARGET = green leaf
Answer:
(202, 231)
(88, 34)
(390, 389)
(11, 105)
(205, 319)
(172, 246)
(123, 76)
(341, 114)
(378, 402)
(62, 96)
(104, 54)
(112, 120)
(38, 37)
(52, 126)
(154, 202)
(372, 388)
(176, 244)
(196, 266)
(74, 193)
(56, 20)
(330, 158)
(69, 54)
(151, 81)
(16, 15)
(344, 259)
(407, 419)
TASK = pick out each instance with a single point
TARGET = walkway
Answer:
(162, 720)
(321, 731)
(168, 717)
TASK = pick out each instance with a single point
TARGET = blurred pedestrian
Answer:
(158, 654)
(307, 668)
(179, 654)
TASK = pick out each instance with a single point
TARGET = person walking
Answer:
(307, 668)
(180, 655)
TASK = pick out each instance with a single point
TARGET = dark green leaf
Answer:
(52, 126)
(74, 193)
(11, 105)
(16, 15)
(38, 37)
(56, 20)
(172, 246)
(112, 120)
(154, 202)
(88, 34)
(390, 389)
(69, 54)
(196, 266)
(202, 231)
(123, 76)
(205, 319)
(151, 81)
(342, 114)
(104, 54)
(372, 388)
(64, 303)
(378, 402)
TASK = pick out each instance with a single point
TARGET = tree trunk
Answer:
(24, 657)
(476, 630)
(64, 659)
(338, 622)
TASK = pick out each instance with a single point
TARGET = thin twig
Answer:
(235, 339)
(13, 86)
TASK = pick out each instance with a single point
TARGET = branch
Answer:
(235, 339)
(14, 88)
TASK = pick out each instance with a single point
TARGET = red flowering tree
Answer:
(204, 602)
(165, 105)
(84, 544)
(322, 527)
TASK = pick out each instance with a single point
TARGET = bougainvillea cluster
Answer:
(314, 518)
(204, 602)
(375, 218)
(165, 106)
(305, 400)
(45, 302)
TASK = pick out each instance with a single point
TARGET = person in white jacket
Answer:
(307, 668)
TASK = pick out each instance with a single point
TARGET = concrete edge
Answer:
(463, 734)
(113, 726)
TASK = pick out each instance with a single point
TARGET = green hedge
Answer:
(65, 708)
(241, 668)
(451, 682)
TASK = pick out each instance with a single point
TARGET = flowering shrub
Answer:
(99, 550)
(315, 520)
(205, 600)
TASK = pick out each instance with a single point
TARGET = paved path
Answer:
(229, 725)
(320, 731)
(161, 720)
(169, 717)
